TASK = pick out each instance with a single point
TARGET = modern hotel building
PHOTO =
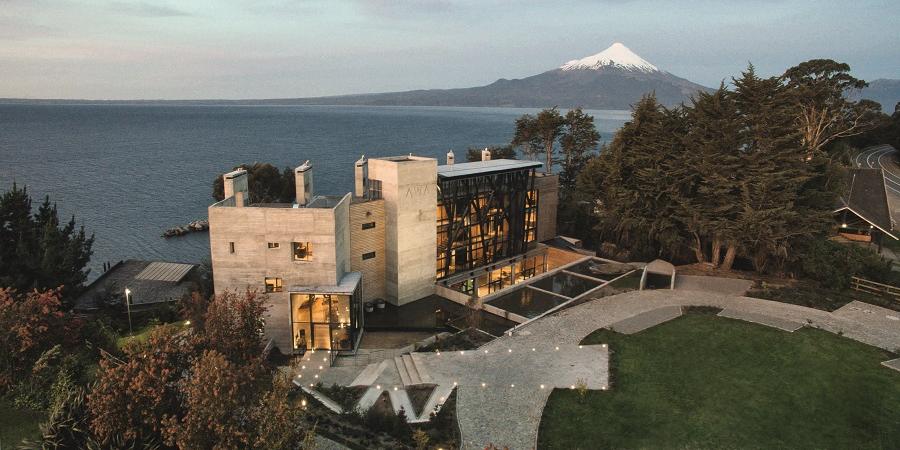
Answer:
(410, 229)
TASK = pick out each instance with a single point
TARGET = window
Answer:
(374, 189)
(273, 284)
(231, 247)
(369, 255)
(368, 225)
(302, 251)
(274, 245)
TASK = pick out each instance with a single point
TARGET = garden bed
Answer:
(464, 340)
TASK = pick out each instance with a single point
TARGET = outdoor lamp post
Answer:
(128, 308)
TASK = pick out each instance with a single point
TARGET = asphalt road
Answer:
(884, 157)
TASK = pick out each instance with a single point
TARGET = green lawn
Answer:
(702, 381)
(17, 424)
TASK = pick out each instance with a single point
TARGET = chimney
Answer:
(362, 177)
(303, 180)
(450, 158)
(486, 154)
(235, 183)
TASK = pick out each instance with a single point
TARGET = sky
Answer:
(235, 49)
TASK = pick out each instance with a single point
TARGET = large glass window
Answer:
(302, 251)
(322, 322)
(484, 219)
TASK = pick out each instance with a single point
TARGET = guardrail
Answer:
(872, 287)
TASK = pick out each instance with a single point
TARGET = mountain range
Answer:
(615, 78)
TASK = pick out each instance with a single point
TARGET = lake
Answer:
(128, 172)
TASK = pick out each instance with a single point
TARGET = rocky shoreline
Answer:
(195, 226)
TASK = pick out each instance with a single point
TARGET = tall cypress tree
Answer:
(714, 163)
(774, 171)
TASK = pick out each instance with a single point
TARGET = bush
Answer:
(833, 264)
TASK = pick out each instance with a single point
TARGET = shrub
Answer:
(833, 264)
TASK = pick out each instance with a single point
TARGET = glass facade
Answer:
(503, 277)
(323, 321)
(483, 219)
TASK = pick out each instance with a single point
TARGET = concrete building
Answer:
(409, 228)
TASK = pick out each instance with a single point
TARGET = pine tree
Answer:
(35, 251)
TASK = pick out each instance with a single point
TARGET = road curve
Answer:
(884, 157)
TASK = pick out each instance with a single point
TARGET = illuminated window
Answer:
(369, 255)
(302, 251)
(274, 245)
(368, 225)
(273, 284)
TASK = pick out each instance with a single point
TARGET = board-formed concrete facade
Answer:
(378, 242)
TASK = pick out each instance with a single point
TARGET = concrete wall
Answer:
(548, 200)
(252, 228)
(365, 241)
(409, 189)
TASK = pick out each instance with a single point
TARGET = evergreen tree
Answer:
(578, 143)
(714, 163)
(549, 127)
(644, 185)
(773, 174)
(819, 89)
(36, 252)
(526, 136)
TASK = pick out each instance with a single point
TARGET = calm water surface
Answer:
(128, 172)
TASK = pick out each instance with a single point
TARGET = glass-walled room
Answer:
(488, 282)
(323, 322)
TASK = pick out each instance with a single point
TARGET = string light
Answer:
(378, 387)
(509, 350)
(485, 351)
(557, 347)
(533, 349)
(483, 384)
(542, 386)
(462, 352)
(512, 385)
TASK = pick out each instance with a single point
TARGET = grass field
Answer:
(702, 381)
(17, 424)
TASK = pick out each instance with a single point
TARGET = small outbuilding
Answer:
(658, 274)
(147, 283)
(863, 213)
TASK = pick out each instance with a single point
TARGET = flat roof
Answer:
(347, 286)
(484, 167)
(149, 282)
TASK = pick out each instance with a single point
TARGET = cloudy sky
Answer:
(172, 49)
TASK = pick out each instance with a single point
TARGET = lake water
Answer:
(128, 172)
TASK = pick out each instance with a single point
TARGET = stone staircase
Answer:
(408, 370)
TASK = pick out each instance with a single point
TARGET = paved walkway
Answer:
(500, 398)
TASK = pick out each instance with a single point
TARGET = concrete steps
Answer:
(410, 372)
(401, 370)
(417, 359)
(368, 376)
(414, 377)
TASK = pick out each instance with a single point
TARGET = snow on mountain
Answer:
(617, 55)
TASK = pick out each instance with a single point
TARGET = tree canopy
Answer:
(497, 152)
(266, 184)
(37, 251)
(726, 176)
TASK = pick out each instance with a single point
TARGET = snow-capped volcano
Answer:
(615, 78)
(617, 55)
